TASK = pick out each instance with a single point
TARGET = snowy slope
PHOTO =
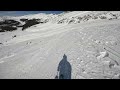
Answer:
(92, 48)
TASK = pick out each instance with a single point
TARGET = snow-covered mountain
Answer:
(89, 40)
(76, 16)
(73, 17)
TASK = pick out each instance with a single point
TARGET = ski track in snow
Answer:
(6, 57)
(52, 31)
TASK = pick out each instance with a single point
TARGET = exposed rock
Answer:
(7, 28)
(9, 25)
(23, 20)
(111, 65)
(102, 17)
(14, 36)
(30, 23)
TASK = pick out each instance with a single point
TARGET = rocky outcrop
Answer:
(9, 25)
(30, 23)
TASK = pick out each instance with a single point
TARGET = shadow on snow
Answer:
(64, 69)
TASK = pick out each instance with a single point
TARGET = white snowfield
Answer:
(92, 48)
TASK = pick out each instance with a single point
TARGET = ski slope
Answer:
(92, 49)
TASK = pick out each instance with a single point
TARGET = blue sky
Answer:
(20, 13)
